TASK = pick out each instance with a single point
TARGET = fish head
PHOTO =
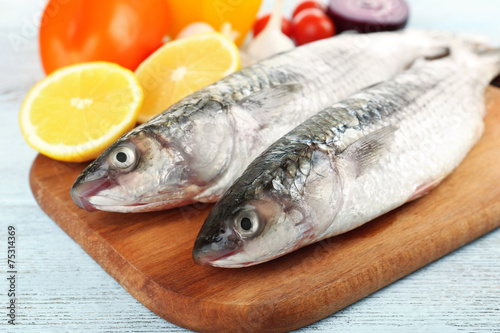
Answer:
(274, 208)
(157, 166)
(239, 233)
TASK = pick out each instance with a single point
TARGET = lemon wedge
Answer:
(183, 66)
(76, 112)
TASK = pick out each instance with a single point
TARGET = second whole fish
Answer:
(195, 149)
(352, 162)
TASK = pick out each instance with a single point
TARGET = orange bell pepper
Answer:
(234, 18)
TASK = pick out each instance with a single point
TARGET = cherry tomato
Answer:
(311, 24)
(261, 23)
(307, 4)
(120, 31)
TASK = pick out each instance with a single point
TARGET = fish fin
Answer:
(263, 103)
(422, 61)
(365, 152)
(425, 188)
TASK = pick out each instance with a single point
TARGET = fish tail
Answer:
(492, 56)
(431, 47)
(483, 63)
(438, 44)
(470, 41)
(492, 74)
(485, 59)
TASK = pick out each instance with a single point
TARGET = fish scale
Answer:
(195, 149)
(370, 153)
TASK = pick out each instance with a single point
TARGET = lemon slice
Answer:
(76, 112)
(183, 66)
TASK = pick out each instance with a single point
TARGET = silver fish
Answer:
(194, 150)
(354, 161)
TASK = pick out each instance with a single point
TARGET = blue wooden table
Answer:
(59, 288)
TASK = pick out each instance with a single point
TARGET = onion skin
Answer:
(366, 16)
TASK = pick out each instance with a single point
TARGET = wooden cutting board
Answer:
(149, 254)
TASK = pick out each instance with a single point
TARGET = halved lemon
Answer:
(76, 112)
(183, 66)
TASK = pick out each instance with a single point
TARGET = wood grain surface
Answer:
(149, 254)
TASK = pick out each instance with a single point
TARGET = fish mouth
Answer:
(215, 243)
(104, 203)
(205, 256)
(96, 194)
(87, 195)
(82, 192)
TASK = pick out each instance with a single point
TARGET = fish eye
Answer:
(247, 223)
(124, 157)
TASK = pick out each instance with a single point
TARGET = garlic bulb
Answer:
(271, 40)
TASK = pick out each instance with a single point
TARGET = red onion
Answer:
(368, 15)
